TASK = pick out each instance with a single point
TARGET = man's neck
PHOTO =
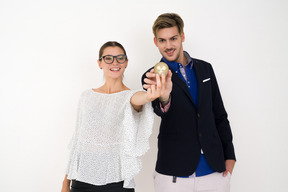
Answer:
(182, 59)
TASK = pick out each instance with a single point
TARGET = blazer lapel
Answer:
(177, 80)
(200, 84)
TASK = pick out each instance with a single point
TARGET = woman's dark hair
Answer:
(110, 44)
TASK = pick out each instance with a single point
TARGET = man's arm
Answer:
(223, 126)
(149, 79)
(229, 164)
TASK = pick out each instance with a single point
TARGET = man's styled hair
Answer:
(168, 20)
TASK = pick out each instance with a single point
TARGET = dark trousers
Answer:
(78, 186)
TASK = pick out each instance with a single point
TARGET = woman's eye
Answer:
(108, 58)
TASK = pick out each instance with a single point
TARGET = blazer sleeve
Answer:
(156, 102)
(221, 119)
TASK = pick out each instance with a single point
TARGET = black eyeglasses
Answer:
(110, 58)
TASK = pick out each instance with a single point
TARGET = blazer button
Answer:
(200, 134)
(198, 115)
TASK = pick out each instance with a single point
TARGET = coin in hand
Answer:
(160, 68)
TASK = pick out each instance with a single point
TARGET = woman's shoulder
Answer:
(86, 92)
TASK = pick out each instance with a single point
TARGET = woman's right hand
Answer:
(66, 185)
(65, 189)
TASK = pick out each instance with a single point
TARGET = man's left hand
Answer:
(229, 167)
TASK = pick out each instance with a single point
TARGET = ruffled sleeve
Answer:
(72, 166)
(136, 133)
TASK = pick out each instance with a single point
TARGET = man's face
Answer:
(169, 42)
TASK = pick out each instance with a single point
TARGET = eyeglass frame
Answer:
(103, 57)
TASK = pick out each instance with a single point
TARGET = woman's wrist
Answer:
(66, 182)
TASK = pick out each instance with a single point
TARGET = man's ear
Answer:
(183, 37)
(155, 42)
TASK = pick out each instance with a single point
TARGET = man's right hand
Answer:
(166, 84)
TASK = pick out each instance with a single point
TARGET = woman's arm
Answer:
(66, 185)
(139, 99)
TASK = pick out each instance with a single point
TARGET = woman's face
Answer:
(115, 69)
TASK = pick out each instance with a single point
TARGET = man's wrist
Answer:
(164, 101)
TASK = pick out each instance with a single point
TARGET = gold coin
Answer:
(160, 68)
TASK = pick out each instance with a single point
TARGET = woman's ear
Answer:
(99, 64)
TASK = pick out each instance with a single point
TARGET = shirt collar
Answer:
(175, 66)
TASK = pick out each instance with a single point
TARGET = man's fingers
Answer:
(151, 74)
(158, 82)
(163, 84)
(152, 89)
(150, 81)
(149, 91)
(225, 173)
(146, 86)
(169, 75)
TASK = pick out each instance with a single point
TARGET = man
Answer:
(195, 149)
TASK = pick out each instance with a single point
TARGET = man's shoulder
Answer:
(201, 62)
(201, 65)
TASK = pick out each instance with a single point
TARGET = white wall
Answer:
(48, 53)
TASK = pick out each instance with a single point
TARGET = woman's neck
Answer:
(112, 86)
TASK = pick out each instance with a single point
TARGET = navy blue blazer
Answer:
(185, 129)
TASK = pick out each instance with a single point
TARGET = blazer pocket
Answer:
(205, 80)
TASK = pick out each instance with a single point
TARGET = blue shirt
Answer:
(189, 77)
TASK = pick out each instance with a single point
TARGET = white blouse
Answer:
(109, 139)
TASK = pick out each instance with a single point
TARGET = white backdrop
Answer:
(48, 53)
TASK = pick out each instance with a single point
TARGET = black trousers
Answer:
(78, 186)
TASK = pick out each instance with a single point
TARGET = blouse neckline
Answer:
(108, 93)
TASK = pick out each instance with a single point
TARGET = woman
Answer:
(113, 127)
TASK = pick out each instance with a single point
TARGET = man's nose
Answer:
(168, 44)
